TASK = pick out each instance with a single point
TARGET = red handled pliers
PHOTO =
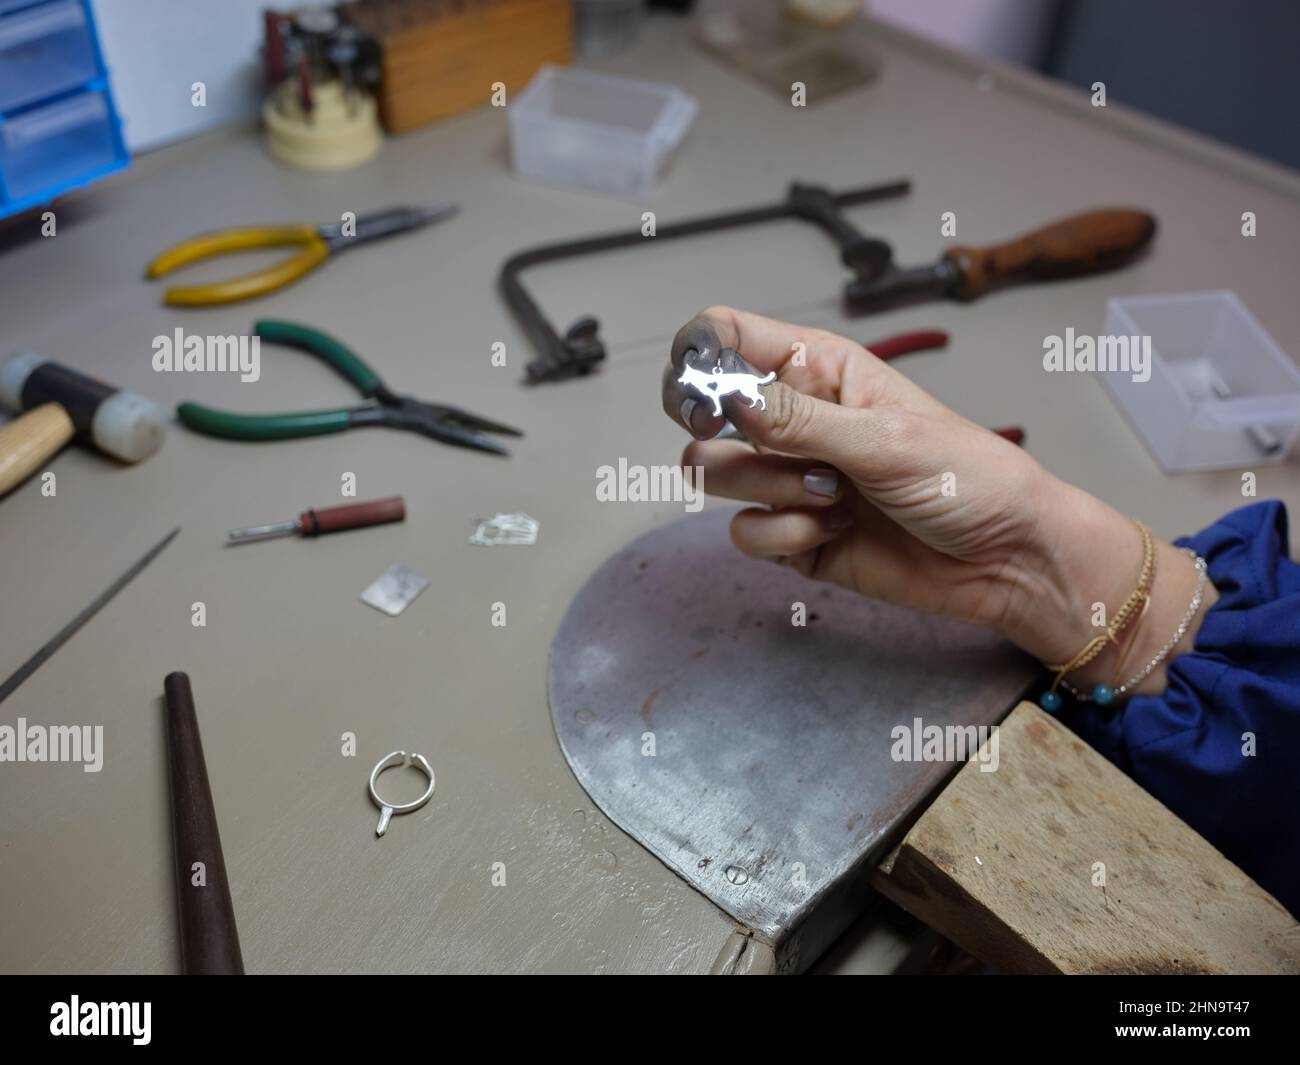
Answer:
(928, 340)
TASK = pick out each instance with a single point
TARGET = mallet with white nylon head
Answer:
(62, 403)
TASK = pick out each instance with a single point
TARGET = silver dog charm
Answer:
(717, 384)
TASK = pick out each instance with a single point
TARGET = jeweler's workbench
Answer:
(289, 661)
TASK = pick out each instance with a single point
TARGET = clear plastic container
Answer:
(43, 51)
(573, 127)
(44, 148)
(1221, 395)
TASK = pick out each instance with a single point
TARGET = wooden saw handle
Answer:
(28, 441)
(1086, 243)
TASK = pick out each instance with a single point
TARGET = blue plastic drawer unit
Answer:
(44, 51)
(56, 143)
(58, 126)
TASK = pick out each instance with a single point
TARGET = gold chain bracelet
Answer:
(1133, 609)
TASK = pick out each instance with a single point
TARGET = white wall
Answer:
(157, 49)
(1011, 30)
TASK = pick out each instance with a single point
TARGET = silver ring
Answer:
(387, 809)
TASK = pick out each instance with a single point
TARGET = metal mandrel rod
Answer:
(209, 938)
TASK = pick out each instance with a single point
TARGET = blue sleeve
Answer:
(1188, 747)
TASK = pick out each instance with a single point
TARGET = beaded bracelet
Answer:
(1138, 601)
(1198, 596)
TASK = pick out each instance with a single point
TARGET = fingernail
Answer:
(822, 482)
(687, 409)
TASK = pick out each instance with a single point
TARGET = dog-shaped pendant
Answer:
(717, 384)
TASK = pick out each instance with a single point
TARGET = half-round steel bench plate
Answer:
(771, 782)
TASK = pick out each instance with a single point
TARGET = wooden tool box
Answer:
(442, 57)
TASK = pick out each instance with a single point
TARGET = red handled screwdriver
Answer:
(326, 520)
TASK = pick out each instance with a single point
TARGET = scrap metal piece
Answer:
(750, 753)
(505, 529)
(395, 589)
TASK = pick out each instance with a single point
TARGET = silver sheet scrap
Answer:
(505, 529)
(395, 589)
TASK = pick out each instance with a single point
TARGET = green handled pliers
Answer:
(448, 424)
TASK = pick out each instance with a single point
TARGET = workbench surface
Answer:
(290, 660)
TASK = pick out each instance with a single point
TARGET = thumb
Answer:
(855, 440)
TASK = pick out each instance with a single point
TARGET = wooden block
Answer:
(442, 58)
(1004, 862)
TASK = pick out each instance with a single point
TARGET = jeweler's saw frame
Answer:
(580, 349)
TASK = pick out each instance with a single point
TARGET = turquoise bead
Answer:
(1050, 701)
(1103, 693)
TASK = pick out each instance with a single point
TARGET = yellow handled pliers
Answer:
(318, 243)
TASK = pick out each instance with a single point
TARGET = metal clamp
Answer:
(387, 809)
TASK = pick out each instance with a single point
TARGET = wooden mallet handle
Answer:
(31, 440)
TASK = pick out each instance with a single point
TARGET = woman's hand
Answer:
(867, 481)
